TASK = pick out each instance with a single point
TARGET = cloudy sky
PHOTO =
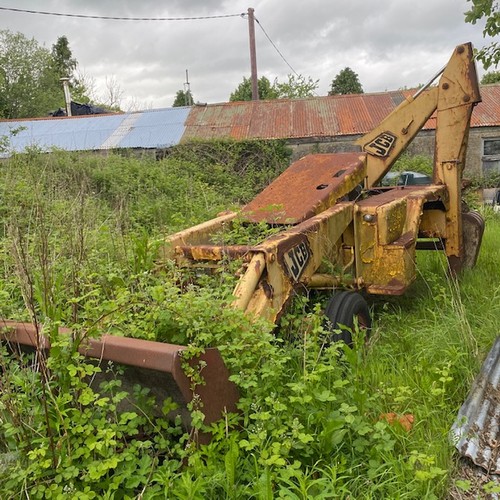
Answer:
(390, 44)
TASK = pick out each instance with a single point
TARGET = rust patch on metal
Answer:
(257, 268)
(430, 192)
(217, 396)
(306, 188)
(213, 252)
(394, 287)
(406, 240)
(405, 420)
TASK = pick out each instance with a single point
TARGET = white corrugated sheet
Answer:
(149, 129)
(475, 433)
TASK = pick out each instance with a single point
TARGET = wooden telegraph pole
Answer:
(253, 54)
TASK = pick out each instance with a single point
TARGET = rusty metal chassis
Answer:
(372, 243)
(375, 238)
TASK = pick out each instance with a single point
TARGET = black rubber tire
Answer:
(340, 312)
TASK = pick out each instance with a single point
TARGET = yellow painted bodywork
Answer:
(370, 241)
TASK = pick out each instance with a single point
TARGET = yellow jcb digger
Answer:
(333, 215)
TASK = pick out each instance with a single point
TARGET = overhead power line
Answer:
(275, 47)
(278, 50)
(116, 18)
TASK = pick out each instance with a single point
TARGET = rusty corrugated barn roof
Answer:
(315, 117)
(487, 113)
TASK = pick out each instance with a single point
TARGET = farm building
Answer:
(316, 124)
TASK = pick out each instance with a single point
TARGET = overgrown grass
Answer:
(80, 235)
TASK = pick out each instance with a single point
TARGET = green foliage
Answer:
(489, 11)
(296, 87)
(27, 86)
(65, 66)
(242, 168)
(414, 163)
(490, 77)
(80, 235)
(346, 82)
(241, 233)
(83, 446)
(492, 180)
(183, 98)
(29, 76)
(64, 62)
(244, 90)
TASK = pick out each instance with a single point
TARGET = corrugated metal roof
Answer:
(316, 116)
(145, 129)
(291, 118)
(156, 128)
(475, 433)
(487, 113)
(277, 119)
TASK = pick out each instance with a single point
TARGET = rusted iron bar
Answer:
(217, 395)
(213, 252)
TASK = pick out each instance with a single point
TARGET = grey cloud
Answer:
(389, 43)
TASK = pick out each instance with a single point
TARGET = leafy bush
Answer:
(414, 163)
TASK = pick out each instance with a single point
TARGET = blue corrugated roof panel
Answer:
(156, 128)
(71, 134)
(144, 129)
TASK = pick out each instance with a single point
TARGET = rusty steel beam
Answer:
(217, 395)
(214, 252)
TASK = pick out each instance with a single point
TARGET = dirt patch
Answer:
(472, 483)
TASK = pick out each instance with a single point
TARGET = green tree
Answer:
(244, 90)
(489, 10)
(27, 84)
(490, 77)
(346, 82)
(65, 66)
(63, 61)
(183, 98)
(30, 76)
(296, 87)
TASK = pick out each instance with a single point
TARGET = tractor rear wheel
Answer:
(472, 235)
(341, 311)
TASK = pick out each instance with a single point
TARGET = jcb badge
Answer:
(381, 145)
(296, 259)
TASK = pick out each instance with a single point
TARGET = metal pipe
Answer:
(429, 83)
(320, 280)
(67, 95)
(248, 283)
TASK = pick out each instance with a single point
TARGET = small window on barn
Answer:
(491, 156)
